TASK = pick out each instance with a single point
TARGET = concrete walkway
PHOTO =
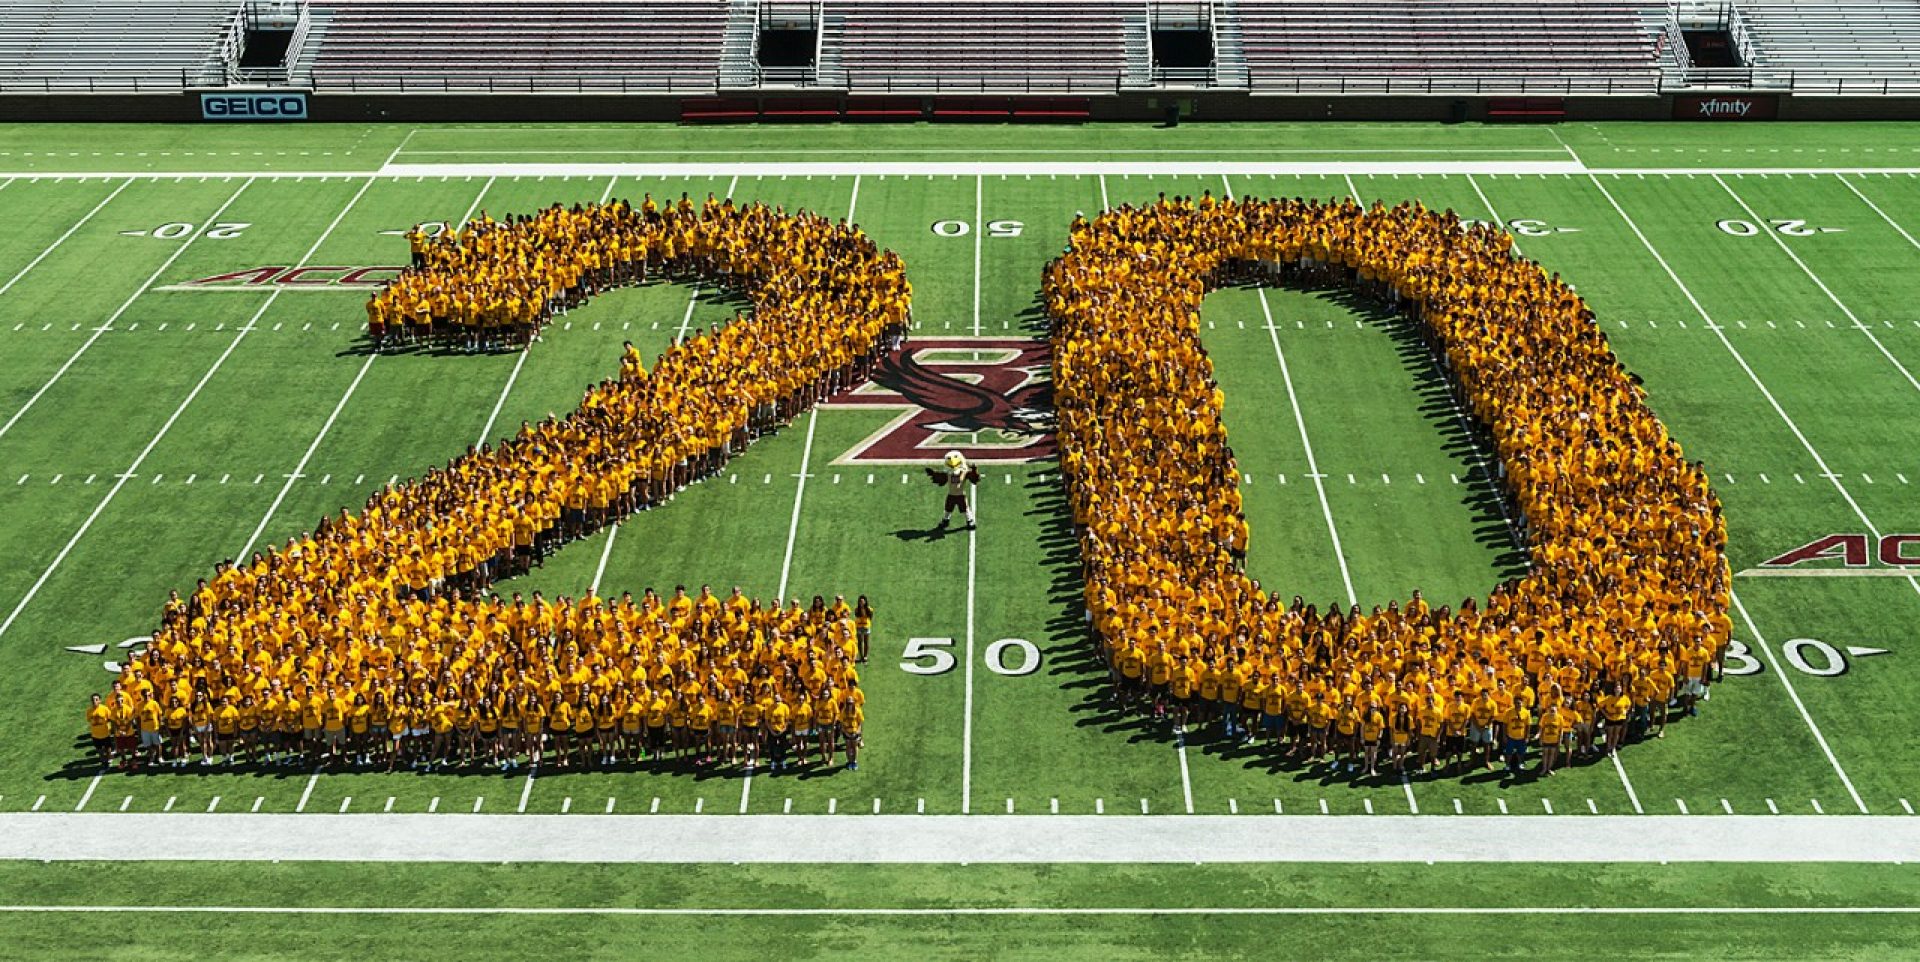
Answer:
(957, 838)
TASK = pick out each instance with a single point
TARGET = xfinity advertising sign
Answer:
(253, 106)
(1727, 107)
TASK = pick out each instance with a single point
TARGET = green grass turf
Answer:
(835, 892)
(349, 147)
(1389, 447)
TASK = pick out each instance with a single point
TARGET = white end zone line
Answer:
(102, 329)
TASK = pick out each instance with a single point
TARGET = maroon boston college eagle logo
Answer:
(986, 397)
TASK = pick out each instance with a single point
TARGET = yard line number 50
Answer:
(930, 656)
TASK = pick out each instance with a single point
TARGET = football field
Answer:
(184, 378)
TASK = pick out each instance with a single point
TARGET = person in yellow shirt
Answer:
(100, 730)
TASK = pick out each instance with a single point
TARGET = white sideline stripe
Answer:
(1817, 459)
(1313, 466)
(947, 839)
(1824, 289)
(1797, 703)
(82, 222)
(124, 305)
(969, 910)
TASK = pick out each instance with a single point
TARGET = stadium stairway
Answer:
(739, 45)
(1229, 47)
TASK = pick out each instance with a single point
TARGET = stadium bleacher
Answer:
(638, 46)
(977, 45)
(1450, 46)
(112, 45)
(971, 48)
(1833, 47)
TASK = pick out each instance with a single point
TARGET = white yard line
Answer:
(300, 468)
(493, 417)
(686, 321)
(477, 198)
(1824, 289)
(82, 222)
(1774, 663)
(1186, 781)
(108, 324)
(1105, 204)
(88, 796)
(979, 226)
(121, 480)
(600, 570)
(1687, 292)
(605, 194)
(401, 146)
(799, 493)
(1513, 528)
(950, 839)
(1313, 465)
(1844, 182)
(1797, 703)
(963, 911)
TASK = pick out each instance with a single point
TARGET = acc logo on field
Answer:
(312, 277)
(987, 398)
(1856, 553)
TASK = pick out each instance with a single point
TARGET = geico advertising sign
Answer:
(253, 106)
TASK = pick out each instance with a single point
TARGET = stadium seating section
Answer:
(155, 45)
(874, 53)
(927, 45)
(508, 45)
(1411, 46)
(1834, 47)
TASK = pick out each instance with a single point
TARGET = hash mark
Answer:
(1592, 808)
(1547, 803)
(1726, 806)
(1771, 807)
(1817, 809)
(1456, 807)
(1323, 806)
(1503, 805)
(1683, 806)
